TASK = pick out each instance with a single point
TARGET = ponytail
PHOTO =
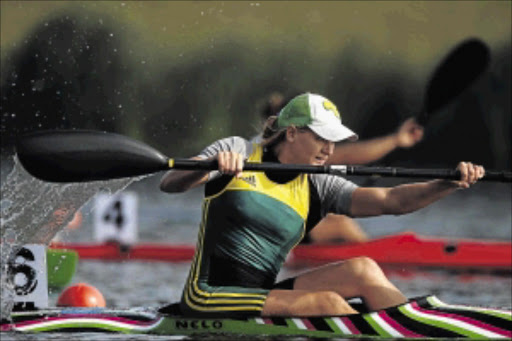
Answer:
(272, 135)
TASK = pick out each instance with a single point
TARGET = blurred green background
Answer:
(180, 74)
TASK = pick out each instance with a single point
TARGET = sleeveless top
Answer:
(248, 227)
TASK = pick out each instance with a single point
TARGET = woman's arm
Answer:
(410, 197)
(174, 181)
(362, 152)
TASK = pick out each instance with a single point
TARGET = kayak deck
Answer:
(422, 318)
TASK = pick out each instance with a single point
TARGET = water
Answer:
(33, 211)
(480, 212)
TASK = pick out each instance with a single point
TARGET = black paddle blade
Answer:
(82, 155)
(461, 67)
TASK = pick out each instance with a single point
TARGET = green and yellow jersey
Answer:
(249, 225)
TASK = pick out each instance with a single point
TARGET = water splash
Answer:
(33, 211)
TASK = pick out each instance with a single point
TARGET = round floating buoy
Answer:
(81, 295)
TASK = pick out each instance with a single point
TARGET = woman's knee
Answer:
(364, 268)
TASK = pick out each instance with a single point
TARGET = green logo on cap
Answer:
(329, 106)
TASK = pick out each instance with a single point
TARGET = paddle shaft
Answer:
(189, 164)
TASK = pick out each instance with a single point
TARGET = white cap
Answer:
(317, 113)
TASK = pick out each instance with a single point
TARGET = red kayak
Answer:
(407, 249)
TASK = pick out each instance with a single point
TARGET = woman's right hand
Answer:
(230, 163)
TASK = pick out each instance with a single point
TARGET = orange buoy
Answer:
(81, 295)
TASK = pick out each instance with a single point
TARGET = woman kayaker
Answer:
(339, 228)
(251, 220)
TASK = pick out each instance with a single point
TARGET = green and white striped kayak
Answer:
(421, 318)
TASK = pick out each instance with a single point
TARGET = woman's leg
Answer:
(357, 277)
(323, 291)
(336, 228)
(305, 303)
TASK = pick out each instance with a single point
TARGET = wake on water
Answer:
(33, 212)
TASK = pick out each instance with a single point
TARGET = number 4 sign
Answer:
(115, 218)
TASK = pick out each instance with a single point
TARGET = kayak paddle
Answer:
(84, 155)
(80, 155)
(456, 72)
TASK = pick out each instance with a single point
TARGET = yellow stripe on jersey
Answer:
(200, 299)
(294, 193)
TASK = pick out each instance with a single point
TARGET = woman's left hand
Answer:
(469, 174)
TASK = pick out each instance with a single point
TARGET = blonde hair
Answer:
(272, 135)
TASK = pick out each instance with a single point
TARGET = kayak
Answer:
(421, 318)
(409, 249)
(405, 249)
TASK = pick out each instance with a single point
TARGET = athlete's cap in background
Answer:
(317, 113)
